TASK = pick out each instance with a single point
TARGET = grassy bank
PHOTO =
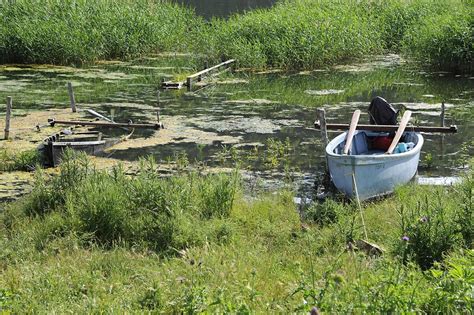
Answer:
(299, 34)
(91, 241)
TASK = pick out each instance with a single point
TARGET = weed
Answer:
(428, 230)
(21, 161)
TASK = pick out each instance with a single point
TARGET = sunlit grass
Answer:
(227, 253)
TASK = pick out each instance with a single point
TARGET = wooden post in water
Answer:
(442, 141)
(7, 117)
(322, 121)
(442, 113)
(71, 97)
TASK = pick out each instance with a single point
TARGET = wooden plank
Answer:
(200, 73)
(189, 79)
(8, 117)
(387, 128)
(78, 144)
(52, 122)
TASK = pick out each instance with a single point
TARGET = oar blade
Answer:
(352, 129)
(399, 132)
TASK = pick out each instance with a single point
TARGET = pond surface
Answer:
(260, 122)
(224, 8)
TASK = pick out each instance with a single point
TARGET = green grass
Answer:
(103, 241)
(20, 161)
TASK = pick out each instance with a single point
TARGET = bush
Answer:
(455, 280)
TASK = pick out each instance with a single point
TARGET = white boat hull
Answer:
(371, 174)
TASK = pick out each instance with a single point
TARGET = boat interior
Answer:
(375, 143)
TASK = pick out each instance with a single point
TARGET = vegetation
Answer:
(296, 34)
(90, 241)
(74, 32)
(20, 161)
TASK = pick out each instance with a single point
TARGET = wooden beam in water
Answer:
(388, 128)
(52, 122)
(198, 75)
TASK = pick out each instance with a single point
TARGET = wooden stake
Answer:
(189, 83)
(7, 117)
(322, 122)
(71, 97)
(442, 114)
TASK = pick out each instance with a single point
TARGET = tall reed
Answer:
(79, 31)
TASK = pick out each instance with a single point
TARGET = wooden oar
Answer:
(400, 130)
(350, 133)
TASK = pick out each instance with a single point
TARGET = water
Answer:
(261, 122)
(224, 8)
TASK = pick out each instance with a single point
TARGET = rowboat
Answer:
(367, 172)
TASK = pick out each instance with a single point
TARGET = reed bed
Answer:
(294, 34)
(79, 31)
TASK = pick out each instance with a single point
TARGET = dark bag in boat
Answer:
(381, 112)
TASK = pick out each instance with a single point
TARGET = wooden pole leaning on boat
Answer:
(399, 132)
(352, 129)
(53, 121)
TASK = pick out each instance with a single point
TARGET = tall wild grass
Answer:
(109, 208)
(294, 34)
(79, 31)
